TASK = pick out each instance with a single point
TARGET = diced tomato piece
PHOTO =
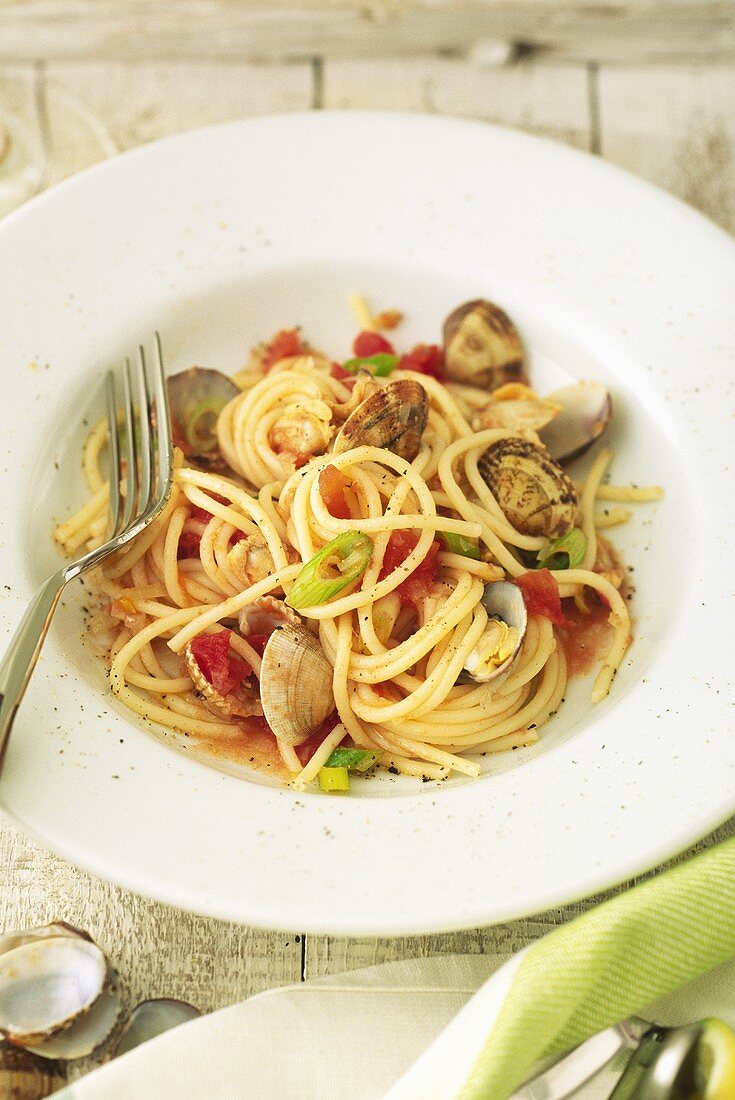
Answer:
(342, 375)
(332, 485)
(188, 547)
(284, 344)
(224, 670)
(258, 642)
(201, 513)
(417, 584)
(426, 359)
(306, 750)
(371, 343)
(541, 595)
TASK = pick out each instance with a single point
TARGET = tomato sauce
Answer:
(255, 747)
(586, 638)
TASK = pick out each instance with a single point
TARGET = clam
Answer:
(482, 346)
(265, 615)
(586, 409)
(150, 1019)
(295, 684)
(364, 387)
(393, 418)
(516, 407)
(197, 397)
(494, 655)
(531, 488)
(58, 995)
(251, 560)
(243, 703)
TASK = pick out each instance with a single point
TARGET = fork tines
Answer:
(141, 451)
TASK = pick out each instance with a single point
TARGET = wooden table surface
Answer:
(672, 124)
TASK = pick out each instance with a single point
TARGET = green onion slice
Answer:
(459, 544)
(333, 568)
(200, 423)
(333, 779)
(566, 552)
(383, 364)
(355, 760)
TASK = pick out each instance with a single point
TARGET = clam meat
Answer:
(58, 995)
(532, 490)
(495, 653)
(516, 407)
(393, 418)
(295, 684)
(586, 410)
(482, 346)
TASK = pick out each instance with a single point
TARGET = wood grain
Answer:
(543, 98)
(138, 102)
(673, 124)
(258, 29)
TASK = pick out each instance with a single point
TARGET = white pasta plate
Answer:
(219, 237)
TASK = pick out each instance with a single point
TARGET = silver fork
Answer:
(144, 441)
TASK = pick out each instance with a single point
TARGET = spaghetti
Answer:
(291, 491)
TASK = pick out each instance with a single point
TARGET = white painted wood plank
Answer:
(572, 29)
(157, 950)
(546, 99)
(675, 126)
(137, 102)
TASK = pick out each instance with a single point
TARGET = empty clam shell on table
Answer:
(59, 997)
(152, 1018)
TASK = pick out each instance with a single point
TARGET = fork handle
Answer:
(20, 659)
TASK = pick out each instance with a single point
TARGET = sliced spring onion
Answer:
(337, 565)
(355, 760)
(200, 423)
(382, 362)
(459, 544)
(333, 779)
(566, 552)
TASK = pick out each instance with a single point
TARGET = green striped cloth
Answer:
(609, 964)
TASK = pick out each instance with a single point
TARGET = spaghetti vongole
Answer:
(379, 563)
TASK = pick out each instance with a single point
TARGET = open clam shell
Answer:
(241, 704)
(495, 653)
(531, 488)
(265, 615)
(197, 397)
(393, 418)
(150, 1019)
(58, 995)
(586, 411)
(295, 684)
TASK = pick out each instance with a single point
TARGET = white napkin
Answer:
(401, 1031)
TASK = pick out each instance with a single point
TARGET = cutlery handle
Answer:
(20, 660)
